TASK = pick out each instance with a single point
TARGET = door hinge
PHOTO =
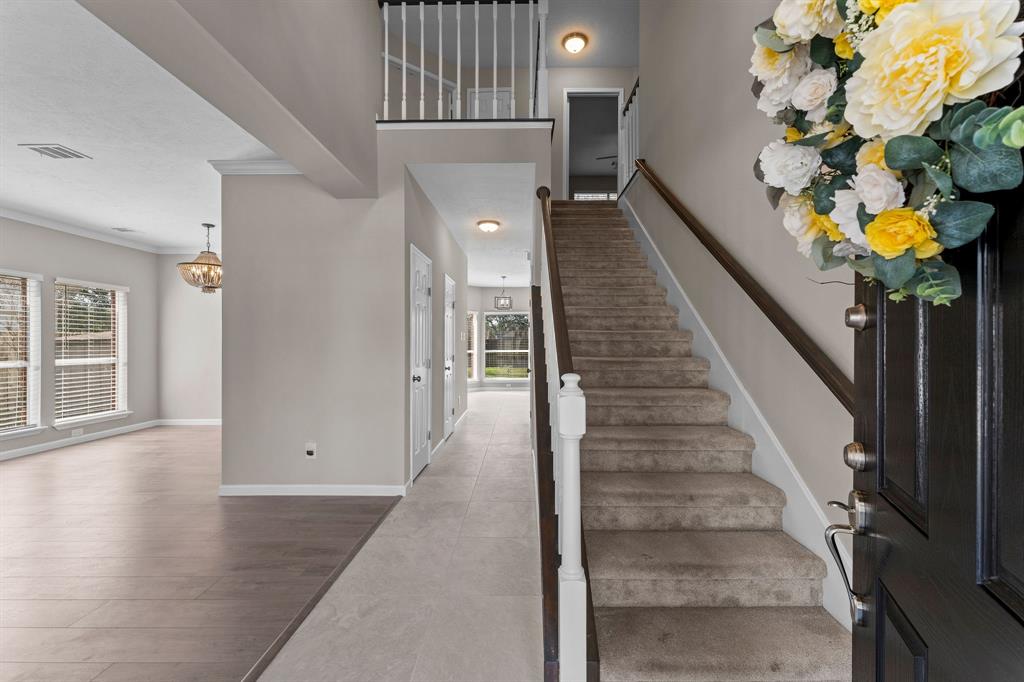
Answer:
(428, 364)
(428, 435)
(429, 291)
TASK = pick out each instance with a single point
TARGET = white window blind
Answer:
(471, 346)
(91, 353)
(19, 352)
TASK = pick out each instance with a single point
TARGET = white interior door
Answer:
(449, 356)
(420, 272)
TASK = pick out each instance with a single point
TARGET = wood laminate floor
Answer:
(120, 563)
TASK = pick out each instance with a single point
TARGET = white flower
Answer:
(796, 218)
(797, 21)
(812, 92)
(775, 96)
(768, 66)
(789, 166)
(929, 54)
(878, 189)
(845, 216)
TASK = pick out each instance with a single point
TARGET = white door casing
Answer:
(449, 356)
(567, 95)
(420, 275)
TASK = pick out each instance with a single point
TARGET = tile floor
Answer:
(119, 562)
(448, 588)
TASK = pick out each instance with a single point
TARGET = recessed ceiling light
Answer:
(574, 42)
(488, 225)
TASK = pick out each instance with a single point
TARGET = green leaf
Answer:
(774, 195)
(824, 193)
(960, 222)
(959, 114)
(823, 51)
(923, 187)
(895, 272)
(865, 266)
(811, 140)
(1013, 135)
(801, 123)
(767, 37)
(836, 106)
(821, 253)
(758, 171)
(907, 152)
(986, 170)
(937, 282)
(864, 218)
(841, 7)
(843, 157)
(943, 182)
(855, 63)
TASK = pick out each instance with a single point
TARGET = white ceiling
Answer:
(611, 25)
(464, 193)
(593, 133)
(67, 78)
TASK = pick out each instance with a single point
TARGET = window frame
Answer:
(33, 362)
(473, 347)
(528, 352)
(120, 359)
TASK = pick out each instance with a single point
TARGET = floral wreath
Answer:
(885, 128)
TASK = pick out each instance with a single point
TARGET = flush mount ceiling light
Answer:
(488, 225)
(574, 42)
(205, 271)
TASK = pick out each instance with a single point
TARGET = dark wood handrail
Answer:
(823, 366)
(555, 279)
(632, 94)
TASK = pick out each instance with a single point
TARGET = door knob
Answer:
(858, 317)
(858, 509)
(857, 457)
(416, 378)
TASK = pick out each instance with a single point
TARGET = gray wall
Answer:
(190, 346)
(701, 132)
(30, 248)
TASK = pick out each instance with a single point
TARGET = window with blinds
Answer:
(471, 346)
(19, 353)
(506, 346)
(91, 359)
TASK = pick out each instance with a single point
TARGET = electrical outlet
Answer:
(75, 433)
(311, 450)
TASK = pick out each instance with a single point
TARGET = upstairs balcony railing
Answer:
(420, 86)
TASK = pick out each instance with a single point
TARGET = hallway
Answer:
(448, 588)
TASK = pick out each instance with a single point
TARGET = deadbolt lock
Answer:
(858, 317)
(857, 457)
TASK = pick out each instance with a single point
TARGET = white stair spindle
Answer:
(512, 69)
(405, 43)
(476, 89)
(529, 75)
(423, 66)
(440, 61)
(458, 58)
(572, 581)
(494, 65)
(387, 65)
(542, 60)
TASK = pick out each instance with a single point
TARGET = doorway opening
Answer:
(591, 143)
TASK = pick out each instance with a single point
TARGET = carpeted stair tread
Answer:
(677, 438)
(655, 396)
(691, 555)
(631, 364)
(621, 489)
(765, 644)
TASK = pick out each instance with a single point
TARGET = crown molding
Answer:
(255, 167)
(78, 231)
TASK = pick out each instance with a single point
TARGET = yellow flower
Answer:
(792, 134)
(929, 54)
(822, 223)
(872, 152)
(844, 50)
(892, 232)
(882, 7)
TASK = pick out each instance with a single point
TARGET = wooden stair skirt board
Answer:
(692, 575)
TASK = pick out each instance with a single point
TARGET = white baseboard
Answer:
(98, 435)
(802, 518)
(522, 386)
(323, 490)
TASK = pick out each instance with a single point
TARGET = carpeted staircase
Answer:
(692, 575)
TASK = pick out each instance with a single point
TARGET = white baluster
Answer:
(423, 66)
(512, 71)
(387, 64)
(530, 113)
(542, 60)
(476, 94)
(572, 582)
(458, 58)
(405, 43)
(440, 61)
(494, 77)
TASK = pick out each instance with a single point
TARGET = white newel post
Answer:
(572, 582)
(542, 60)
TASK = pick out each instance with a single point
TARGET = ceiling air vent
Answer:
(56, 151)
(122, 229)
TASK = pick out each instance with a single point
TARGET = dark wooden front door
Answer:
(940, 413)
